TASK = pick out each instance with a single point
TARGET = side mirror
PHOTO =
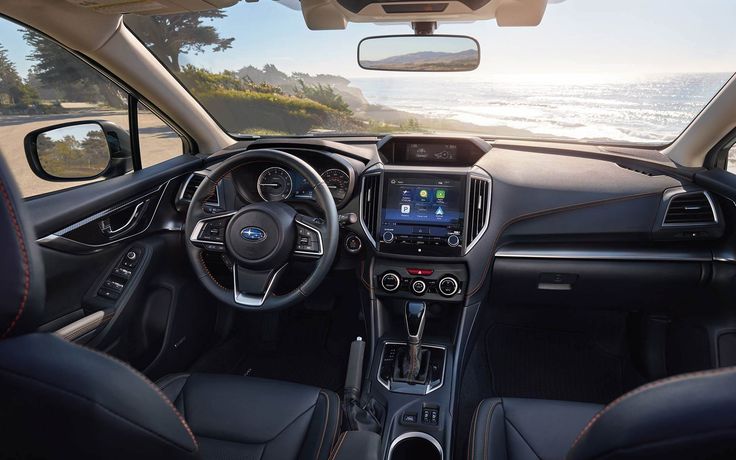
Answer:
(419, 53)
(79, 150)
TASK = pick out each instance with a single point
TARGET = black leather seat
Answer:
(238, 417)
(511, 428)
(685, 416)
(61, 400)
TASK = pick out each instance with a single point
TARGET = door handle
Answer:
(106, 227)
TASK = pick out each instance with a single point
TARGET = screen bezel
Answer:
(445, 251)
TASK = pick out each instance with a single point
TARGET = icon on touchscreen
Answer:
(439, 194)
(405, 209)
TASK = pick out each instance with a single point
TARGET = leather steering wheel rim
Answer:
(328, 230)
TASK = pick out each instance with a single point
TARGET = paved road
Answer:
(157, 143)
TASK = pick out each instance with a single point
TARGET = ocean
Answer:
(651, 109)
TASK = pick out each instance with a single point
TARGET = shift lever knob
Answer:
(415, 313)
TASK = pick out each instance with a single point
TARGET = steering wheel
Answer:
(262, 238)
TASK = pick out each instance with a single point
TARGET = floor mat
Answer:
(302, 344)
(532, 362)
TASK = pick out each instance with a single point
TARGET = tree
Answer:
(170, 36)
(324, 94)
(12, 87)
(64, 73)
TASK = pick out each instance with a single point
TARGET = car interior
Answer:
(183, 278)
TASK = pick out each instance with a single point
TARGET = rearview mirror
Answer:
(419, 53)
(80, 150)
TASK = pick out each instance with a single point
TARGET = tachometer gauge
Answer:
(274, 184)
(338, 182)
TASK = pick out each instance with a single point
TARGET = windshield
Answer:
(593, 71)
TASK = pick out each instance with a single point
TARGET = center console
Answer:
(423, 209)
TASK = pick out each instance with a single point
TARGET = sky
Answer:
(575, 36)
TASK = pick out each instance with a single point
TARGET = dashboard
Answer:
(447, 205)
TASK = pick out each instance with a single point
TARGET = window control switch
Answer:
(114, 285)
(108, 294)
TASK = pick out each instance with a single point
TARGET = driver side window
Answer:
(731, 159)
(44, 86)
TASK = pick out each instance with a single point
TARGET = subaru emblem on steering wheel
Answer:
(254, 234)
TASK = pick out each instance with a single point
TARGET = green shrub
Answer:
(242, 111)
(324, 94)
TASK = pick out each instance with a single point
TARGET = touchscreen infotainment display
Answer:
(422, 210)
(424, 202)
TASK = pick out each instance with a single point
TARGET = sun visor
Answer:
(335, 14)
(150, 7)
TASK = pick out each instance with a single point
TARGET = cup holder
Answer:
(415, 446)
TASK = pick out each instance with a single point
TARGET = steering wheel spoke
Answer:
(252, 288)
(209, 233)
(309, 244)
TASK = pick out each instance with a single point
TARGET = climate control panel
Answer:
(443, 282)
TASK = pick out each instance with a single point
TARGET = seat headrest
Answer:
(22, 283)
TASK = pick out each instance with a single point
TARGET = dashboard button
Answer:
(418, 287)
(388, 237)
(390, 281)
(453, 241)
(448, 286)
(353, 244)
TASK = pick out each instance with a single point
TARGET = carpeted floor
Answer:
(306, 344)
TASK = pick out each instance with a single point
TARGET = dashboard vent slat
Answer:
(193, 182)
(369, 204)
(478, 207)
(691, 208)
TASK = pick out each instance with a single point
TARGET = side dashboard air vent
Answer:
(690, 208)
(479, 204)
(191, 185)
(369, 206)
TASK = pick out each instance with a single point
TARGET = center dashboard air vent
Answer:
(369, 205)
(690, 208)
(190, 187)
(479, 204)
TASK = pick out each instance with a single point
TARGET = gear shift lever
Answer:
(415, 315)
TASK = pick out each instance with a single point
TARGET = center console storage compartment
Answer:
(415, 445)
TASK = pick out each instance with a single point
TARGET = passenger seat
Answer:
(684, 416)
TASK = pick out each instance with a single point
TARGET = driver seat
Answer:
(60, 399)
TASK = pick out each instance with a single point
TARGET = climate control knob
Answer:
(453, 241)
(448, 286)
(388, 237)
(390, 281)
(418, 287)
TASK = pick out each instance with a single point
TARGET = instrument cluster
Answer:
(270, 181)
(277, 183)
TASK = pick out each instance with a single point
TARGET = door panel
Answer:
(85, 231)
(51, 213)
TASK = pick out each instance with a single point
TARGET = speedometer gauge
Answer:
(274, 184)
(338, 182)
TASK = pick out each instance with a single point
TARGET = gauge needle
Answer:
(263, 184)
